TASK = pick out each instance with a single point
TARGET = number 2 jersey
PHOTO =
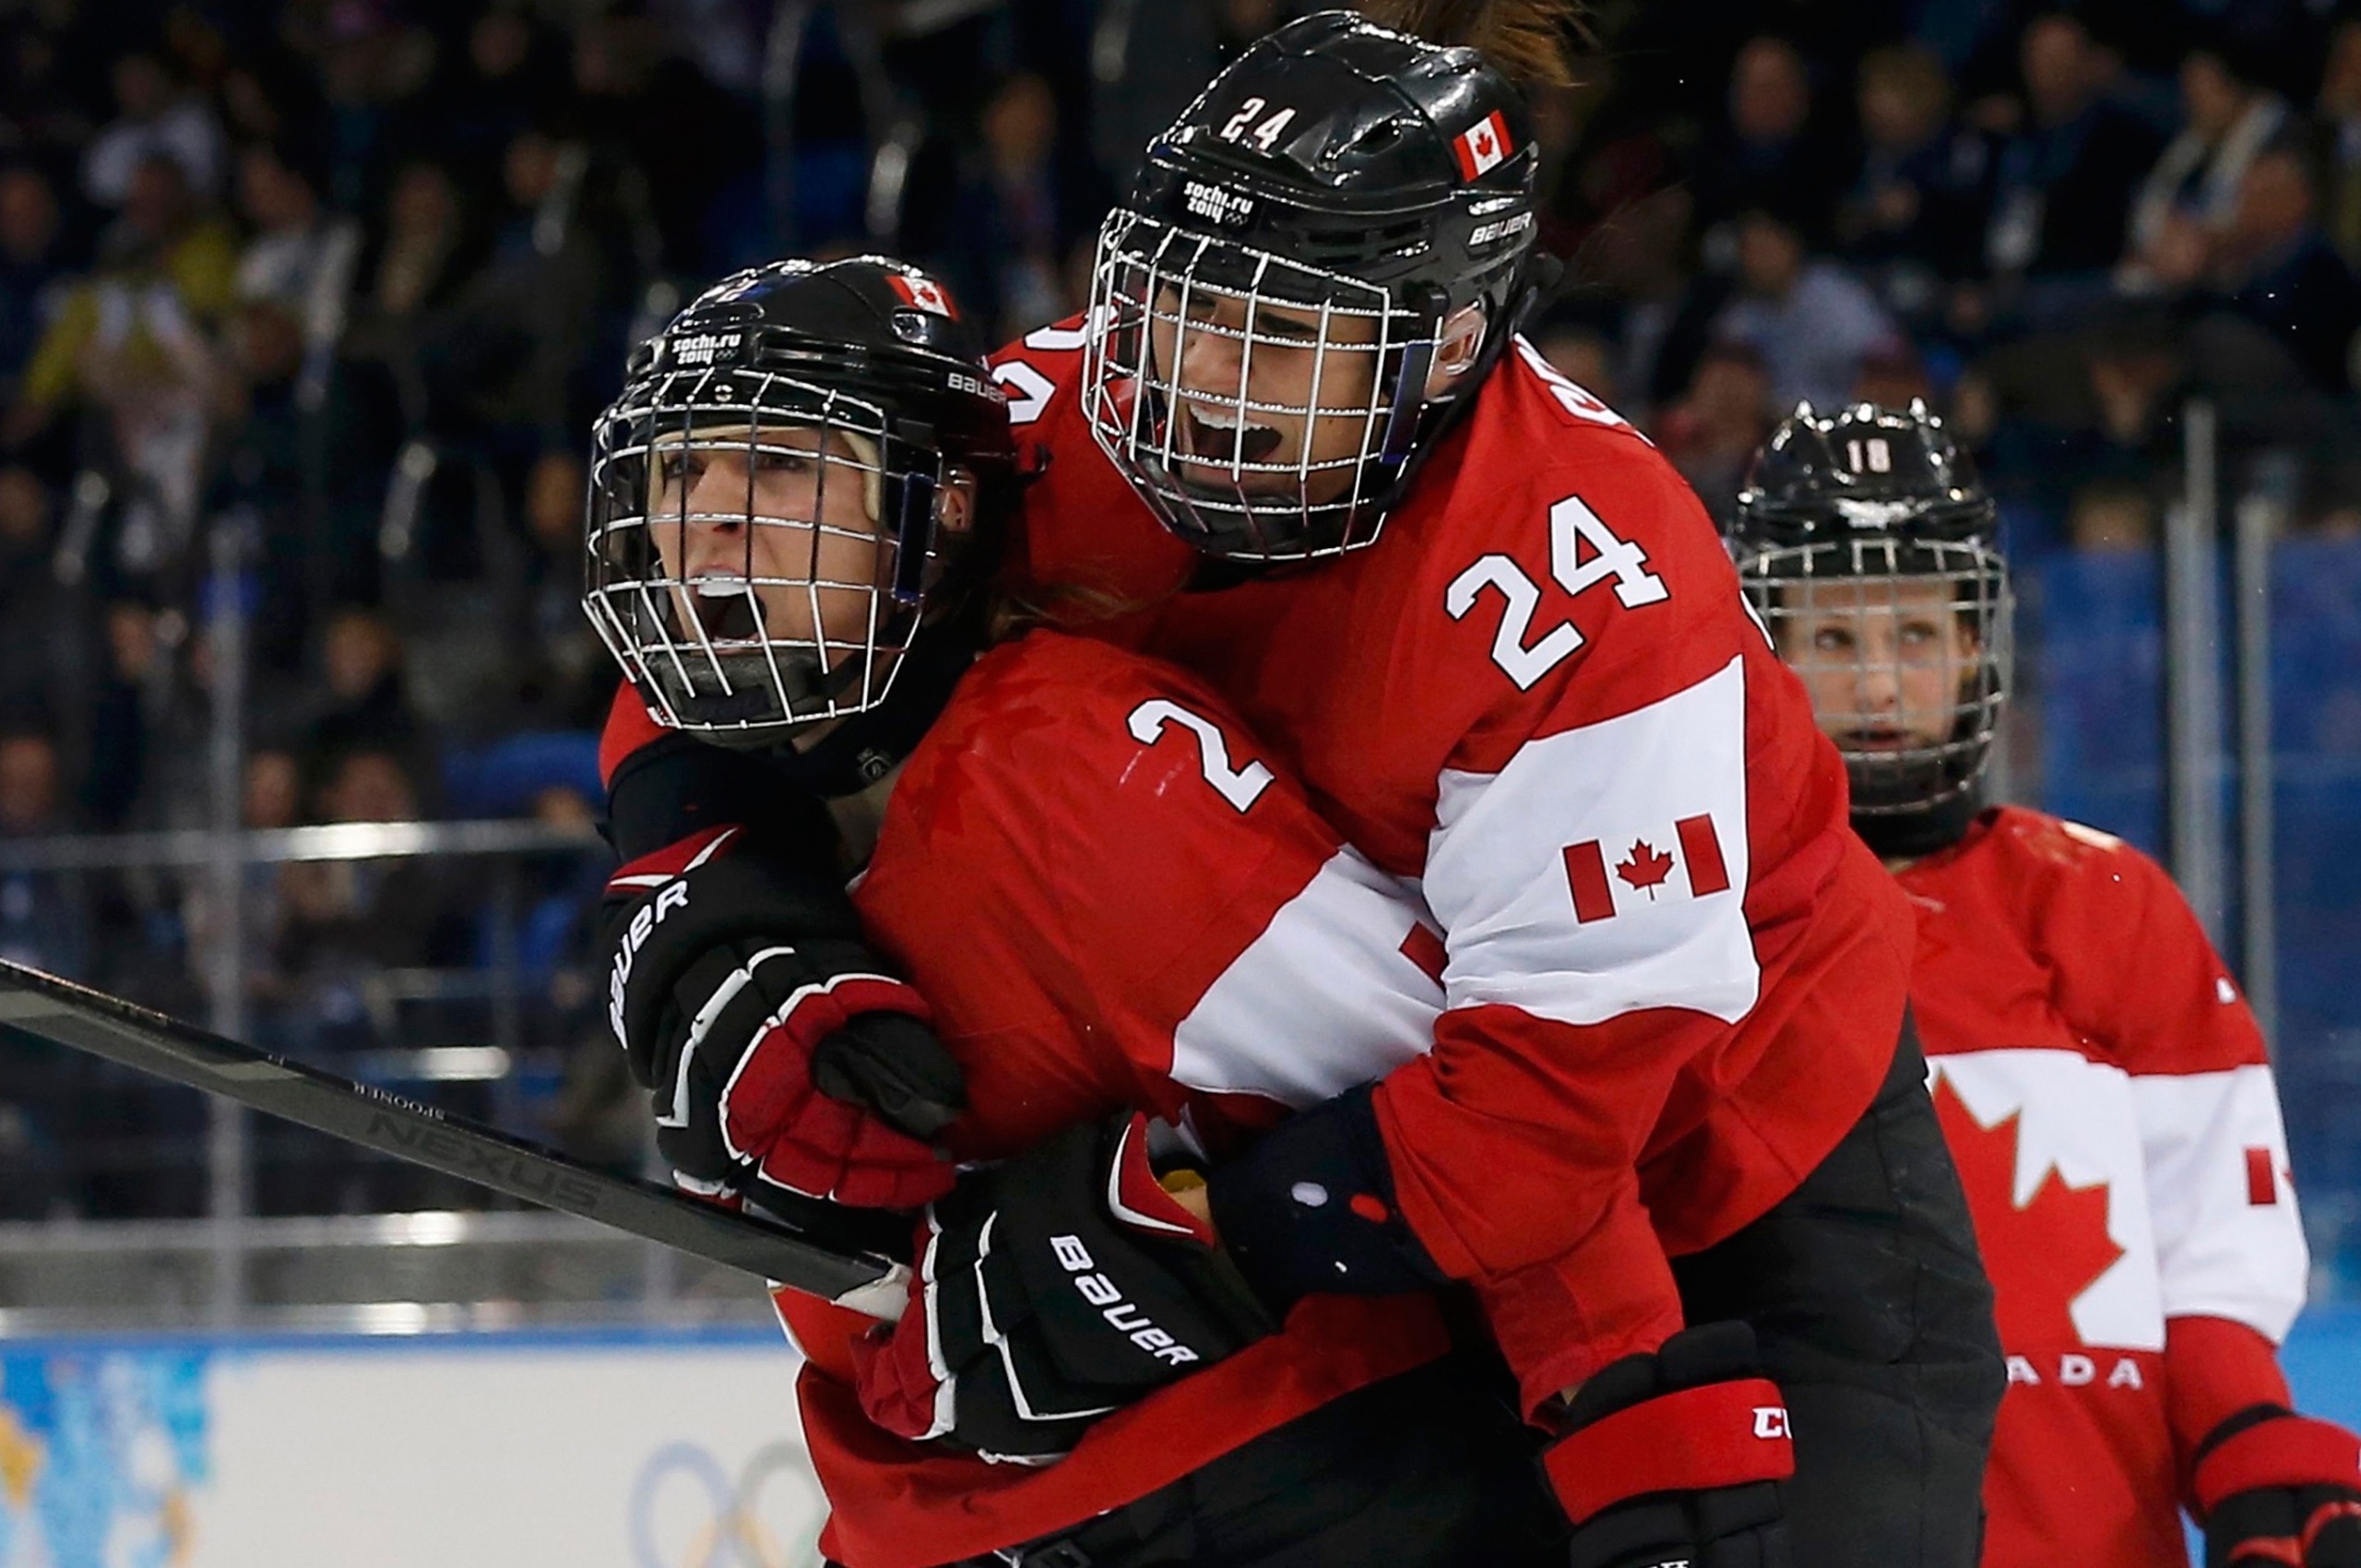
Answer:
(1111, 901)
(2105, 1093)
(1673, 979)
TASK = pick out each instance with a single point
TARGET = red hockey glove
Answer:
(776, 1047)
(1675, 1458)
(2272, 1487)
(1051, 1291)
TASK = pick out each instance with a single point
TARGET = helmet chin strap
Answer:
(865, 746)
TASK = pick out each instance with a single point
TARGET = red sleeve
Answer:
(2136, 974)
(2213, 1369)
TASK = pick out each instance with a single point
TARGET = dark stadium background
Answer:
(304, 310)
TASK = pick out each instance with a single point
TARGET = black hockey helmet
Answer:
(1852, 532)
(1330, 202)
(846, 409)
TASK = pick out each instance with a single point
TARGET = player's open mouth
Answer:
(726, 608)
(1880, 738)
(1206, 432)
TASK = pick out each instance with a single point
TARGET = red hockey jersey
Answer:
(1109, 899)
(1673, 977)
(2103, 1089)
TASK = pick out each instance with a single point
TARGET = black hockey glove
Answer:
(2275, 1487)
(1308, 1210)
(1049, 1291)
(1675, 1459)
(778, 1051)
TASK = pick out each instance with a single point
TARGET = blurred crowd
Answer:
(306, 308)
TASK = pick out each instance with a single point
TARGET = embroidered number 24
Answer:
(1573, 527)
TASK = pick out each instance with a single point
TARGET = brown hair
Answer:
(1530, 42)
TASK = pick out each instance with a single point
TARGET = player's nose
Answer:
(717, 498)
(1209, 358)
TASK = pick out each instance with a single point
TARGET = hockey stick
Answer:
(835, 1269)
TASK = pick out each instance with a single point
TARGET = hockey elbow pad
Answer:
(1676, 1459)
(1308, 1210)
(2272, 1487)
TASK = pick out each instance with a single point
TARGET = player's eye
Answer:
(1833, 639)
(677, 468)
(1288, 329)
(778, 460)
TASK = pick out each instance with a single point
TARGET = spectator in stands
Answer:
(33, 267)
(154, 117)
(343, 915)
(2065, 176)
(1915, 214)
(301, 257)
(44, 916)
(419, 267)
(132, 339)
(373, 65)
(2336, 137)
(1711, 434)
(1002, 235)
(2191, 195)
(682, 161)
(509, 355)
(1811, 320)
(365, 704)
(564, 680)
(2275, 269)
(1767, 153)
(510, 72)
(37, 625)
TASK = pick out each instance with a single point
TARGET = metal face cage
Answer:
(759, 548)
(1904, 645)
(1263, 408)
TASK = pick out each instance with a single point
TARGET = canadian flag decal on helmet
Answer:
(1483, 146)
(924, 292)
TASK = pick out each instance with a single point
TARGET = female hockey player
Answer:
(2100, 1078)
(1112, 908)
(1499, 641)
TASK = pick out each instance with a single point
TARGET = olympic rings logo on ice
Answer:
(732, 1531)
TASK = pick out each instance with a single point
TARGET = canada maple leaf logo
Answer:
(1644, 868)
(2042, 1254)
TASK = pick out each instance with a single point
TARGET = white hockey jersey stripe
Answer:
(1262, 1029)
(2229, 1242)
(1521, 859)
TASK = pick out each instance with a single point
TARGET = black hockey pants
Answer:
(1874, 1316)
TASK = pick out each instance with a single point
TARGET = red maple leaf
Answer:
(1644, 868)
(2040, 1253)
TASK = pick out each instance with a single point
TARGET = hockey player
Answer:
(1500, 642)
(1106, 899)
(2101, 1080)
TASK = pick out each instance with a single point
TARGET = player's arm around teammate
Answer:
(2101, 1077)
(1067, 851)
(1501, 644)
